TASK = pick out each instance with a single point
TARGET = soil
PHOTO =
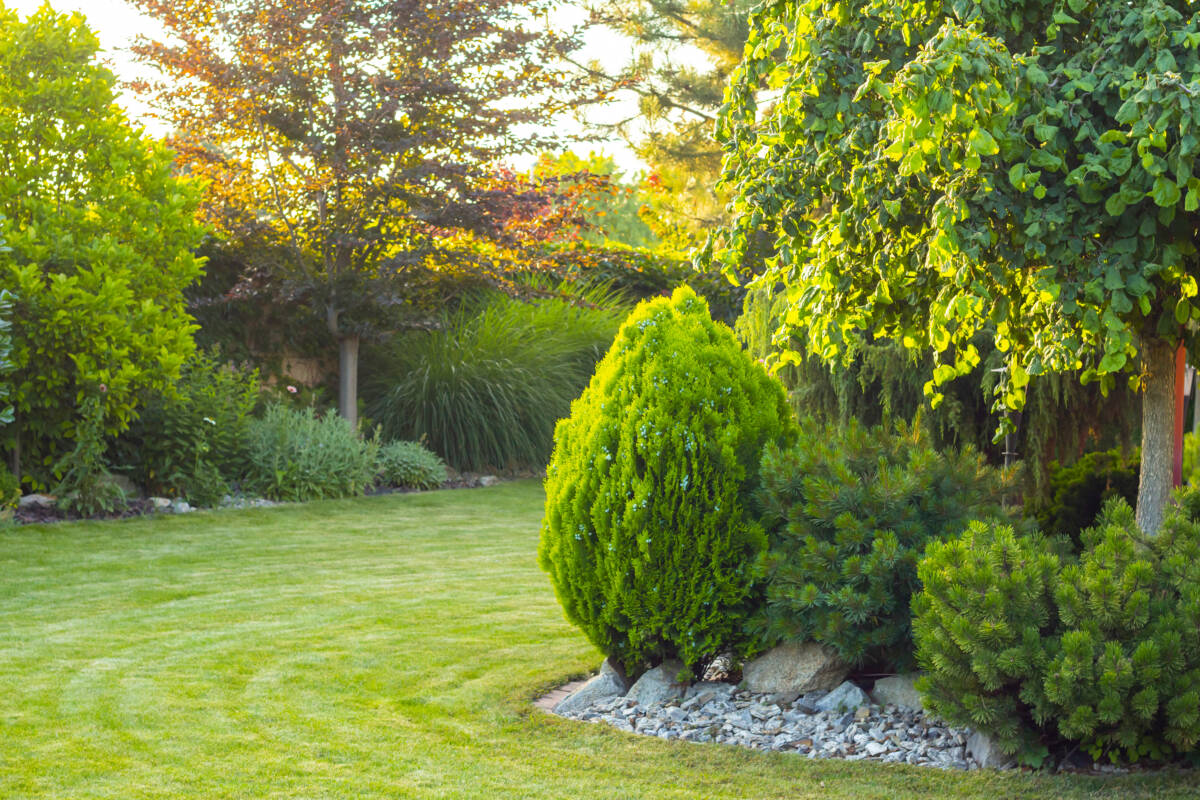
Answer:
(31, 514)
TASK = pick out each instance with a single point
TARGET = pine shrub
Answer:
(647, 537)
(410, 465)
(849, 512)
(984, 625)
(1040, 650)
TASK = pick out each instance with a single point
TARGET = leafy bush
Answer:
(410, 465)
(486, 389)
(1036, 649)
(10, 490)
(1079, 490)
(189, 440)
(848, 513)
(293, 454)
(6, 363)
(647, 535)
(86, 487)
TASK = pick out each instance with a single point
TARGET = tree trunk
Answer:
(348, 377)
(14, 458)
(1158, 428)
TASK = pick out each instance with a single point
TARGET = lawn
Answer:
(380, 647)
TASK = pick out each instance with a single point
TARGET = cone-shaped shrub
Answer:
(647, 537)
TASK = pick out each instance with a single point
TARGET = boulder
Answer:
(793, 667)
(611, 682)
(658, 684)
(846, 697)
(125, 484)
(37, 501)
(488, 480)
(899, 691)
(160, 503)
(984, 749)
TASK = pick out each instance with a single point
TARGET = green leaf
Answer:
(1183, 311)
(1165, 191)
(1115, 205)
(1112, 362)
(983, 143)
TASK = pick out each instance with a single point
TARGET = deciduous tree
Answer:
(352, 130)
(1025, 167)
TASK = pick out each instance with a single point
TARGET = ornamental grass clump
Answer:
(647, 535)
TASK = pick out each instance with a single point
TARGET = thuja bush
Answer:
(849, 512)
(293, 454)
(410, 465)
(648, 537)
(1040, 650)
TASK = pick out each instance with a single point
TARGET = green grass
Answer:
(380, 647)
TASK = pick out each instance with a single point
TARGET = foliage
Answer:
(1191, 458)
(100, 226)
(1078, 491)
(487, 386)
(410, 465)
(189, 440)
(848, 513)
(984, 626)
(360, 127)
(883, 381)
(86, 487)
(648, 536)
(944, 168)
(1035, 649)
(10, 490)
(681, 57)
(6, 363)
(296, 455)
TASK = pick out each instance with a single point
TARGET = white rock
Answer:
(899, 691)
(984, 749)
(658, 684)
(845, 697)
(37, 500)
(488, 480)
(181, 506)
(160, 503)
(793, 667)
(611, 682)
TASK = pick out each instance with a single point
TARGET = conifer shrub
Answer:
(648, 536)
(1040, 650)
(849, 512)
(984, 625)
(1078, 491)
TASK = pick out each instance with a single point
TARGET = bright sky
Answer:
(117, 25)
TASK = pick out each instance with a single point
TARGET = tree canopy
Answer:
(352, 132)
(99, 232)
(937, 168)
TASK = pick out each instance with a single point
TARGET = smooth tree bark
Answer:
(1158, 433)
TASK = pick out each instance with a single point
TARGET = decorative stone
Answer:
(611, 682)
(658, 685)
(793, 667)
(985, 751)
(125, 484)
(899, 691)
(488, 480)
(181, 506)
(37, 500)
(844, 697)
(160, 503)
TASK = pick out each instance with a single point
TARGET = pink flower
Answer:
(292, 389)
(103, 388)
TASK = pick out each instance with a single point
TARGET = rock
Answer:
(125, 484)
(37, 501)
(181, 506)
(611, 682)
(899, 691)
(160, 503)
(985, 751)
(793, 667)
(713, 690)
(844, 697)
(488, 480)
(720, 668)
(658, 684)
